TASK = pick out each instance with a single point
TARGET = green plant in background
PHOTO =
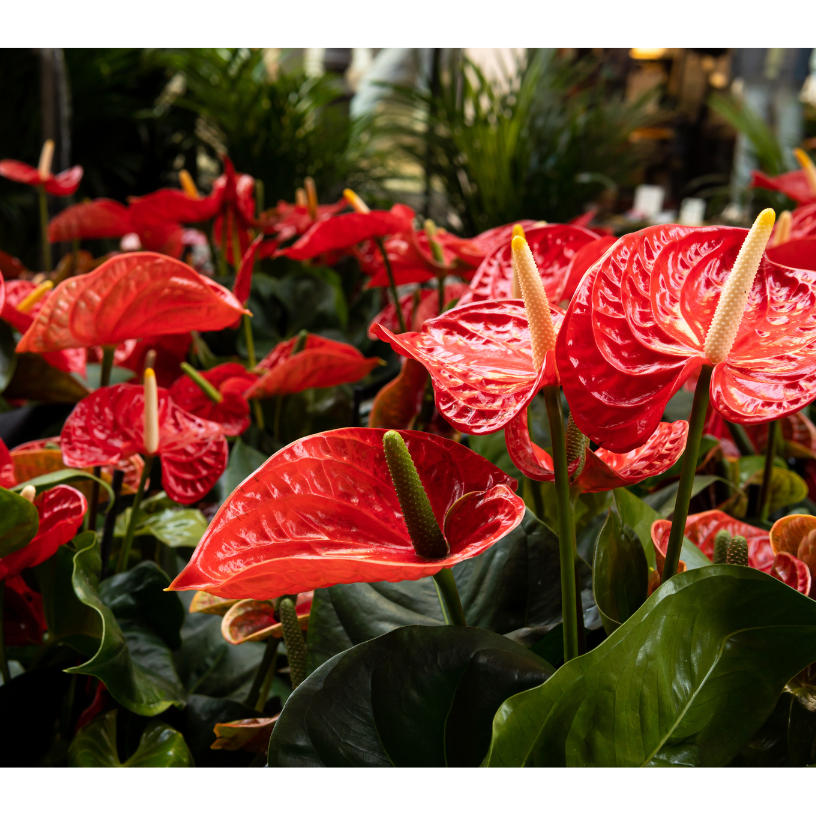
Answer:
(539, 143)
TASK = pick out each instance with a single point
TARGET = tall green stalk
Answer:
(124, 553)
(46, 244)
(566, 527)
(392, 285)
(446, 586)
(767, 473)
(264, 675)
(681, 505)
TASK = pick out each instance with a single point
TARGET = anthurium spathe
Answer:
(323, 363)
(553, 246)
(100, 218)
(61, 510)
(702, 528)
(800, 185)
(480, 359)
(601, 469)
(109, 425)
(227, 406)
(136, 295)
(799, 253)
(795, 536)
(417, 307)
(324, 511)
(62, 184)
(252, 621)
(638, 325)
(286, 221)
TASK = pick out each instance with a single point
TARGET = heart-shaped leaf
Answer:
(132, 660)
(419, 696)
(685, 681)
(243, 460)
(620, 574)
(160, 747)
(19, 522)
(175, 527)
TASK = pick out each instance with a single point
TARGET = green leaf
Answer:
(421, 696)
(64, 476)
(117, 375)
(748, 466)
(685, 681)
(8, 357)
(515, 583)
(663, 501)
(493, 448)
(35, 379)
(787, 487)
(175, 527)
(243, 461)
(19, 522)
(620, 574)
(638, 515)
(160, 747)
(132, 660)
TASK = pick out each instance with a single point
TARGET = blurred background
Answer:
(472, 138)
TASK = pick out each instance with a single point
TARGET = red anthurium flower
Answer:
(41, 456)
(10, 267)
(798, 253)
(702, 528)
(287, 221)
(636, 329)
(480, 360)
(171, 351)
(235, 193)
(491, 239)
(17, 292)
(7, 477)
(23, 614)
(323, 363)
(417, 307)
(601, 469)
(796, 184)
(251, 621)
(803, 222)
(63, 184)
(108, 426)
(344, 231)
(230, 380)
(324, 511)
(101, 218)
(793, 539)
(137, 295)
(553, 245)
(243, 278)
(61, 511)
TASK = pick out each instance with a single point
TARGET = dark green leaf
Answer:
(175, 527)
(160, 747)
(243, 460)
(419, 696)
(19, 522)
(8, 357)
(663, 501)
(64, 476)
(117, 375)
(132, 660)
(787, 487)
(685, 681)
(620, 573)
(34, 379)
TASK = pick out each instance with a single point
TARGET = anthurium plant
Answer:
(341, 488)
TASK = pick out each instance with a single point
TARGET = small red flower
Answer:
(323, 363)
(137, 295)
(63, 184)
(636, 327)
(287, 221)
(231, 380)
(108, 426)
(100, 218)
(324, 511)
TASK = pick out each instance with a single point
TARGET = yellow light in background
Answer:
(647, 53)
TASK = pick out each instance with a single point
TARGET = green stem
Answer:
(124, 553)
(767, 473)
(210, 391)
(46, 245)
(741, 439)
(3, 662)
(442, 605)
(441, 282)
(263, 676)
(392, 285)
(222, 255)
(252, 360)
(446, 585)
(566, 528)
(681, 505)
(104, 380)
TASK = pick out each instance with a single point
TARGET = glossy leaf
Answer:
(243, 461)
(480, 360)
(323, 363)
(685, 681)
(135, 295)
(61, 477)
(36, 379)
(324, 511)
(175, 527)
(159, 747)
(19, 522)
(420, 696)
(787, 487)
(620, 573)
(132, 660)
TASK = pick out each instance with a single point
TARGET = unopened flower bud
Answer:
(355, 202)
(46, 159)
(35, 296)
(737, 552)
(151, 412)
(808, 166)
(423, 529)
(734, 296)
(542, 330)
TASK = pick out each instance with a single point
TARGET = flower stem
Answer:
(392, 285)
(252, 360)
(767, 473)
(3, 662)
(441, 281)
(104, 380)
(566, 528)
(46, 245)
(681, 505)
(447, 587)
(262, 681)
(209, 390)
(741, 439)
(124, 553)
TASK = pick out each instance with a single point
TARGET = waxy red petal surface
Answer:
(399, 401)
(63, 184)
(136, 295)
(480, 359)
(101, 218)
(793, 184)
(323, 511)
(791, 571)
(799, 253)
(7, 477)
(417, 307)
